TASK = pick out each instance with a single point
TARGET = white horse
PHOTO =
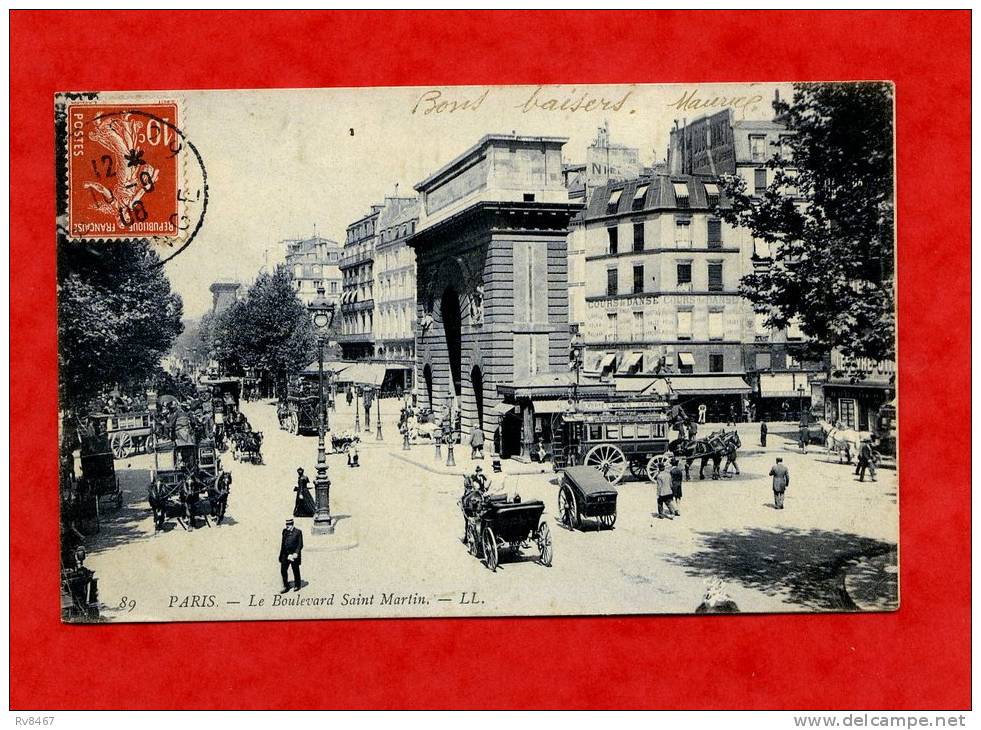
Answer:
(844, 441)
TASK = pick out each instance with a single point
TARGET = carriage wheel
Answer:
(122, 445)
(653, 466)
(637, 469)
(545, 545)
(567, 509)
(609, 459)
(490, 548)
(608, 520)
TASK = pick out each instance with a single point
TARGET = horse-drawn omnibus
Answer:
(612, 437)
(129, 433)
(187, 481)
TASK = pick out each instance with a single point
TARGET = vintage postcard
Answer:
(477, 351)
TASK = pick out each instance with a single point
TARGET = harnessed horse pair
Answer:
(711, 448)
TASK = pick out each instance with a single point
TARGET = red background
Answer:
(916, 657)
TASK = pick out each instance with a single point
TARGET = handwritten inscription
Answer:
(690, 100)
(573, 101)
(434, 101)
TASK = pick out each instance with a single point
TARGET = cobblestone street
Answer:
(397, 544)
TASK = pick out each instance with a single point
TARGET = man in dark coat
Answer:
(476, 442)
(763, 431)
(781, 480)
(866, 459)
(290, 554)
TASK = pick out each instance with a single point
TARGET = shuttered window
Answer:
(716, 324)
(714, 233)
(715, 277)
(684, 324)
(638, 278)
(612, 284)
(759, 180)
(614, 242)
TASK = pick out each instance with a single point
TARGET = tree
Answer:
(828, 217)
(268, 330)
(116, 317)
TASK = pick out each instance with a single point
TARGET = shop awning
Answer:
(709, 385)
(551, 406)
(783, 385)
(630, 362)
(615, 197)
(686, 358)
(330, 366)
(364, 373)
(501, 409)
(607, 362)
(644, 386)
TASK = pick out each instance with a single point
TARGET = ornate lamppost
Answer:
(576, 347)
(322, 313)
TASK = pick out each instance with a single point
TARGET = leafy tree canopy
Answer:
(268, 330)
(116, 317)
(828, 217)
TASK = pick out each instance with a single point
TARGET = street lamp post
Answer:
(378, 416)
(800, 404)
(322, 312)
(357, 409)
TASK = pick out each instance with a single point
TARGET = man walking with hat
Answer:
(290, 553)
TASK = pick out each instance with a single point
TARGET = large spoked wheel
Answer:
(545, 545)
(654, 465)
(608, 520)
(637, 470)
(490, 548)
(609, 459)
(567, 509)
(122, 445)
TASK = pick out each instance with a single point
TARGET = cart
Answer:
(247, 446)
(584, 493)
(493, 523)
(187, 482)
(613, 438)
(98, 471)
(129, 433)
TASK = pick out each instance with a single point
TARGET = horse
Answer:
(158, 504)
(706, 449)
(844, 441)
(218, 492)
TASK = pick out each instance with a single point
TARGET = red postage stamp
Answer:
(123, 170)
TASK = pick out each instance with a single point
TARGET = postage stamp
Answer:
(123, 170)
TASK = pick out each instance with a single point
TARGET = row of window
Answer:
(363, 230)
(682, 235)
(715, 278)
(635, 326)
(400, 231)
(681, 195)
(618, 431)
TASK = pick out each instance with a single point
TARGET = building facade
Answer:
(492, 301)
(311, 263)
(395, 286)
(357, 303)
(224, 293)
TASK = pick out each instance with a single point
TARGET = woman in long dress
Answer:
(305, 505)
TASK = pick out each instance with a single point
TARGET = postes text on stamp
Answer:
(123, 170)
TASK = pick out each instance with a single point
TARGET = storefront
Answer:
(855, 405)
(783, 396)
(724, 396)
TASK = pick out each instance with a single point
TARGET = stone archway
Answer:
(477, 383)
(427, 375)
(451, 315)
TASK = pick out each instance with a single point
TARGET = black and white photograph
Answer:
(477, 351)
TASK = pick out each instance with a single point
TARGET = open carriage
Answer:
(613, 438)
(188, 482)
(494, 523)
(97, 465)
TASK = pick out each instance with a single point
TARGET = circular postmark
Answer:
(132, 173)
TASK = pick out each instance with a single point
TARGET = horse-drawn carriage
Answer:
(299, 412)
(247, 446)
(98, 469)
(188, 482)
(493, 523)
(129, 433)
(710, 448)
(611, 437)
(226, 394)
(584, 493)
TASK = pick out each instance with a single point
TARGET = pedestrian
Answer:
(702, 410)
(304, 506)
(290, 555)
(802, 437)
(730, 459)
(763, 430)
(350, 396)
(677, 477)
(665, 494)
(781, 480)
(352, 453)
(476, 442)
(732, 416)
(866, 460)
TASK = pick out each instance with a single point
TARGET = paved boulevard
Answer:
(399, 529)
